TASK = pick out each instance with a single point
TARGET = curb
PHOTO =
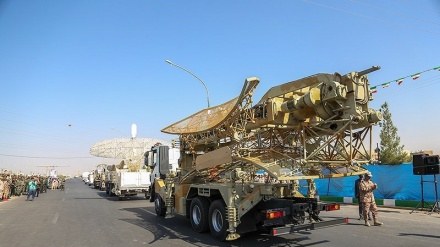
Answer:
(379, 202)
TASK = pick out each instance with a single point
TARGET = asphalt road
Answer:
(82, 216)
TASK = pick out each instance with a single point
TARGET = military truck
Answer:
(161, 160)
(317, 127)
(98, 176)
(124, 181)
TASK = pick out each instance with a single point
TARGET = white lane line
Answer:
(147, 211)
(55, 218)
(63, 199)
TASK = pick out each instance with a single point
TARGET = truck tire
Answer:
(198, 215)
(152, 194)
(218, 223)
(111, 188)
(159, 206)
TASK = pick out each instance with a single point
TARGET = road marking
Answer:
(147, 211)
(55, 218)
(63, 199)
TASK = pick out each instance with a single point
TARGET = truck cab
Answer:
(91, 178)
(161, 160)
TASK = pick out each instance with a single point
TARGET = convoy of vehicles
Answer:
(237, 167)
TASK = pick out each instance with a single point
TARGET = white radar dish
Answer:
(124, 148)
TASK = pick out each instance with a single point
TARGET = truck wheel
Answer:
(199, 211)
(159, 206)
(111, 188)
(152, 194)
(217, 220)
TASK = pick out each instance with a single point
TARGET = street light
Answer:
(207, 93)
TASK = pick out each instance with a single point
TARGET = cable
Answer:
(401, 78)
(403, 90)
(411, 86)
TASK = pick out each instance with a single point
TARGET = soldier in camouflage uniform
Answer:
(7, 189)
(43, 184)
(13, 182)
(2, 187)
(367, 187)
(25, 185)
(19, 186)
(38, 187)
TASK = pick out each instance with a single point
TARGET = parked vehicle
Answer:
(91, 178)
(98, 176)
(123, 182)
(85, 177)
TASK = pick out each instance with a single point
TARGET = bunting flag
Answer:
(415, 76)
(400, 81)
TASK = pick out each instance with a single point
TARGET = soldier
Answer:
(7, 189)
(19, 186)
(43, 185)
(357, 195)
(13, 185)
(25, 185)
(2, 187)
(367, 197)
(62, 184)
(38, 187)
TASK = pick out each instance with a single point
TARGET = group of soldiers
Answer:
(17, 185)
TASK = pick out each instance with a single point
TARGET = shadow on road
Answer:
(179, 227)
(419, 235)
(104, 195)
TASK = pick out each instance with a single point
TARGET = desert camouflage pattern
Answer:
(311, 128)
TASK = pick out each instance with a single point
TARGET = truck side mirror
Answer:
(146, 154)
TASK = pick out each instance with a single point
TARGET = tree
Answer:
(391, 151)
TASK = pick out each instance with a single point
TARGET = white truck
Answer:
(85, 177)
(124, 183)
(91, 178)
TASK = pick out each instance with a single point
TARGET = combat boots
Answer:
(367, 223)
(377, 223)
